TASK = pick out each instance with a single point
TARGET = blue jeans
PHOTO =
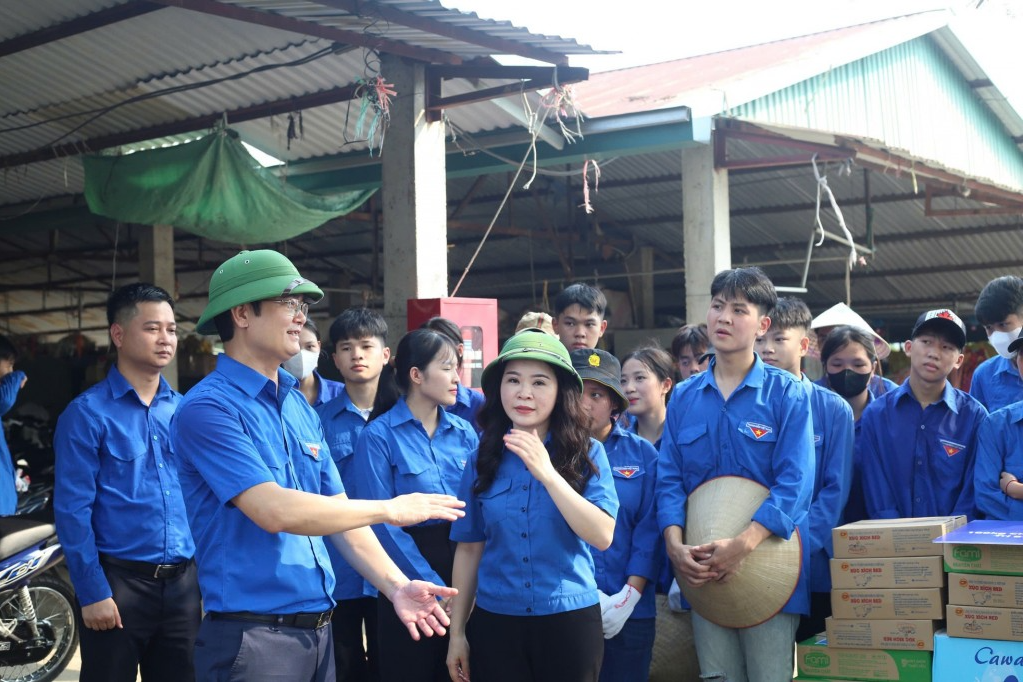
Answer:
(627, 655)
(762, 653)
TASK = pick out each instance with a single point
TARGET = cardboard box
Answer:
(892, 537)
(984, 546)
(966, 660)
(815, 659)
(927, 603)
(982, 622)
(913, 635)
(987, 559)
(1003, 591)
(887, 573)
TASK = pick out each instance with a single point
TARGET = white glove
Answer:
(605, 601)
(618, 610)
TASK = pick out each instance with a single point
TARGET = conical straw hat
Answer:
(722, 508)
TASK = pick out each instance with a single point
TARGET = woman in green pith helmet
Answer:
(537, 493)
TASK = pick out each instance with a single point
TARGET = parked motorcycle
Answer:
(38, 631)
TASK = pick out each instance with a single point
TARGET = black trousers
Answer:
(354, 660)
(563, 647)
(820, 609)
(161, 620)
(403, 659)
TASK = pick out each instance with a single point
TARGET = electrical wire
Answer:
(97, 113)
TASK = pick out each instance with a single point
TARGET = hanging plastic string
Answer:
(586, 183)
(374, 95)
(822, 187)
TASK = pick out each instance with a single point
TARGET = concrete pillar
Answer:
(413, 197)
(156, 266)
(641, 286)
(707, 243)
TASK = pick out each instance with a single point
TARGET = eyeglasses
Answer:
(294, 306)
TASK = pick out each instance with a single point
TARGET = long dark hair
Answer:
(418, 348)
(569, 444)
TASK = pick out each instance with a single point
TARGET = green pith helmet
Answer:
(253, 276)
(533, 344)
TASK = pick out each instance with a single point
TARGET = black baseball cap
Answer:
(945, 320)
(600, 366)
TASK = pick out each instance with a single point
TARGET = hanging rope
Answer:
(822, 187)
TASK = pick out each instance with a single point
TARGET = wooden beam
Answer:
(83, 24)
(441, 28)
(563, 74)
(188, 125)
(311, 28)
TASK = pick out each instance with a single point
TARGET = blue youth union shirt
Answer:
(996, 383)
(637, 547)
(342, 423)
(236, 429)
(833, 459)
(919, 461)
(998, 450)
(116, 483)
(533, 563)
(762, 432)
(9, 387)
(394, 456)
(467, 405)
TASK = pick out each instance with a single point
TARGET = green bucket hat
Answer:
(533, 344)
(253, 276)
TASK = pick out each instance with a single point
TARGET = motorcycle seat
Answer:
(17, 534)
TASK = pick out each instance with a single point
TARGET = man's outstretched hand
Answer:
(417, 607)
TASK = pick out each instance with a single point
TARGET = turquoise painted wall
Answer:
(910, 96)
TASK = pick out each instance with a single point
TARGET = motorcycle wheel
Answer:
(53, 599)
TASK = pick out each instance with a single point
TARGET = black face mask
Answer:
(848, 383)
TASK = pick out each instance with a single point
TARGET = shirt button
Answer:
(922, 427)
(525, 559)
(525, 487)
(161, 466)
(166, 492)
(523, 535)
(156, 438)
(529, 584)
(523, 510)
(529, 609)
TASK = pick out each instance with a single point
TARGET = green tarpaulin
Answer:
(211, 187)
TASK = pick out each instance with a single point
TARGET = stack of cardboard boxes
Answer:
(887, 601)
(984, 640)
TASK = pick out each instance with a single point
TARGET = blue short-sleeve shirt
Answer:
(762, 432)
(533, 563)
(919, 461)
(395, 456)
(342, 423)
(637, 548)
(116, 484)
(328, 390)
(236, 429)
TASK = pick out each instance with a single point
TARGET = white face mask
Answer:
(1000, 342)
(302, 364)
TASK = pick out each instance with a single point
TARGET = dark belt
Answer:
(157, 571)
(306, 621)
